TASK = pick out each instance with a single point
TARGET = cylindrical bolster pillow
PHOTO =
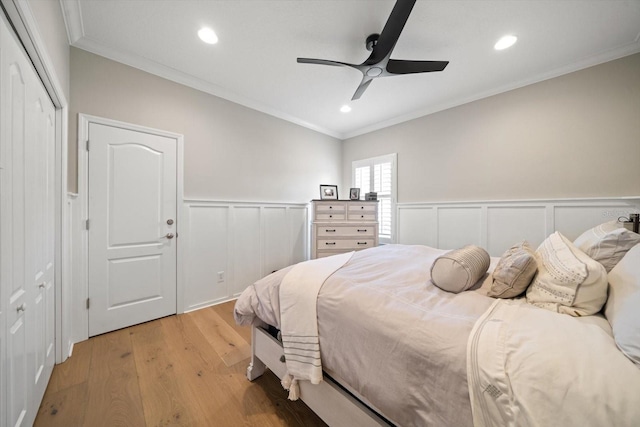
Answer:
(458, 270)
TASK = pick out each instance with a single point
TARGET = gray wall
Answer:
(48, 15)
(577, 135)
(231, 152)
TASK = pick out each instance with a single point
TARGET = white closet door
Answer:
(13, 125)
(27, 212)
(40, 210)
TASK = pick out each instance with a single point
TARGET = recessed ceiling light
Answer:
(207, 35)
(345, 108)
(505, 42)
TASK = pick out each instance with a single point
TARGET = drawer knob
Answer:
(22, 307)
(282, 358)
(330, 216)
(362, 243)
(332, 231)
(330, 243)
(330, 207)
(362, 231)
(361, 216)
(361, 207)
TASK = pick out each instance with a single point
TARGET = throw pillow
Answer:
(460, 269)
(568, 280)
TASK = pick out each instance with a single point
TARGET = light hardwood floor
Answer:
(184, 370)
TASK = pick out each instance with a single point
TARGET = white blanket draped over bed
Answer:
(298, 295)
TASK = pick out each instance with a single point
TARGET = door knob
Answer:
(170, 221)
(169, 236)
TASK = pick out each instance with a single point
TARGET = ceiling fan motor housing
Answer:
(372, 40)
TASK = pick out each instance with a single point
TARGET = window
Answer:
(379, 174)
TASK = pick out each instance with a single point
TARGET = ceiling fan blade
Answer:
(363, 86)
(391, 31)
(324, 62)
(399, 66)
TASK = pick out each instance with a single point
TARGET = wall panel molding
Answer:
(496, 225)
(244, 241)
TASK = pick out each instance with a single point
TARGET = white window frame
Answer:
(388, 158)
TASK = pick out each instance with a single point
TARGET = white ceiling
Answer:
(254, 63)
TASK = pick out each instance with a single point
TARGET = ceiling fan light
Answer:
(207, 35)
(345, 108)
(505, 42)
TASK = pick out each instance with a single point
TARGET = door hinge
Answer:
(87, 223)
(87, 145)
(88, 303)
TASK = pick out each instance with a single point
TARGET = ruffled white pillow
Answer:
(568, 280)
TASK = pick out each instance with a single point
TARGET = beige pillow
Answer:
(460, 269)
(568, 280)
(607, 243)
(514, 272)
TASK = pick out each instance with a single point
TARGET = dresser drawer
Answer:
(361, 216)
(338, 244)
(340, 231)
(362, 207)
(330, 216)
(330, 207)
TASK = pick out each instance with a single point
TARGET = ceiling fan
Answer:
(379, 63)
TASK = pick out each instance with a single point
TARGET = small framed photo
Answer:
(354, 194)
(328, 192)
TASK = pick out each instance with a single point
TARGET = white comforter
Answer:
(388, 333)
(393, 337)
(532, 367)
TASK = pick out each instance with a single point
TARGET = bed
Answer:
(398, 350)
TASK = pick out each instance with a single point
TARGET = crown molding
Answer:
(72, 14)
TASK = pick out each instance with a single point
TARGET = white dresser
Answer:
(343, 226)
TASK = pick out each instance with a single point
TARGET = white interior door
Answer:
(132, 228)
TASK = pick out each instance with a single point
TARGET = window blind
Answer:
(379, 174)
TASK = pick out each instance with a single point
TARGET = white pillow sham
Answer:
(568, 281)
(607, 243)
(623, 306)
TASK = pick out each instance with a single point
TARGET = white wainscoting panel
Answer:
(246, 255)
(276, 238)
(206, 255)
(507, 225)
(459, 226)
(417, 225)
(298, 234)
(496, 225)
(244, 241)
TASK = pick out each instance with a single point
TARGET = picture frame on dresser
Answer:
(354, 194)
(328, 192)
